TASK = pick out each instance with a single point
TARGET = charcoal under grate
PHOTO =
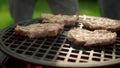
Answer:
(57, 51)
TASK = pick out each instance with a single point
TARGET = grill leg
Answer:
(2, 60)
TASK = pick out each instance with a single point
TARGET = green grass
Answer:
(5, 18)
(87, 7)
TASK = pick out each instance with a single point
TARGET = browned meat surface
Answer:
(67, 20)
(91, 38)
(94, 23)
(39, 30)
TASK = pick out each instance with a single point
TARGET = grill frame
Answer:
(67, 53)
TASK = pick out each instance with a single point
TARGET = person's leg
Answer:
(110, 8)
(21, 9)
(68, 7)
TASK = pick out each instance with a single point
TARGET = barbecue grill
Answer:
(57, 51)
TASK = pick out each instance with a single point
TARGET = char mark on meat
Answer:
(67, 20)
(39, 30)
(94, 23)
(85, 37)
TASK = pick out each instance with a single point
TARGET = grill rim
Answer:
(59, 64)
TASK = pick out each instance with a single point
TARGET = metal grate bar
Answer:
(102, 56)
(20, 45)
(29, 46)
(79, 56)
(113, 52)
(91, 55)
(66, 58)
(38, 48)
(55, 57)
(49, 49)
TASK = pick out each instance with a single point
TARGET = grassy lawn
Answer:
(87, 7)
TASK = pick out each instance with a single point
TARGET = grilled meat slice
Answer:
(85, 37)
(94, 23)
(39, 30)
(67, 20)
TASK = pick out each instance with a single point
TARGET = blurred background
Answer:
(87, 7)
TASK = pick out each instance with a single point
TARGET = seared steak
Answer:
(85, 37)
(39, 30)
(94, 23)
(67, 20)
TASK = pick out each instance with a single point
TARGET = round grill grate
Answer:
(57, 51)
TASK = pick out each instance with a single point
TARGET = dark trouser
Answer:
(23, 9)
(110, 8)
